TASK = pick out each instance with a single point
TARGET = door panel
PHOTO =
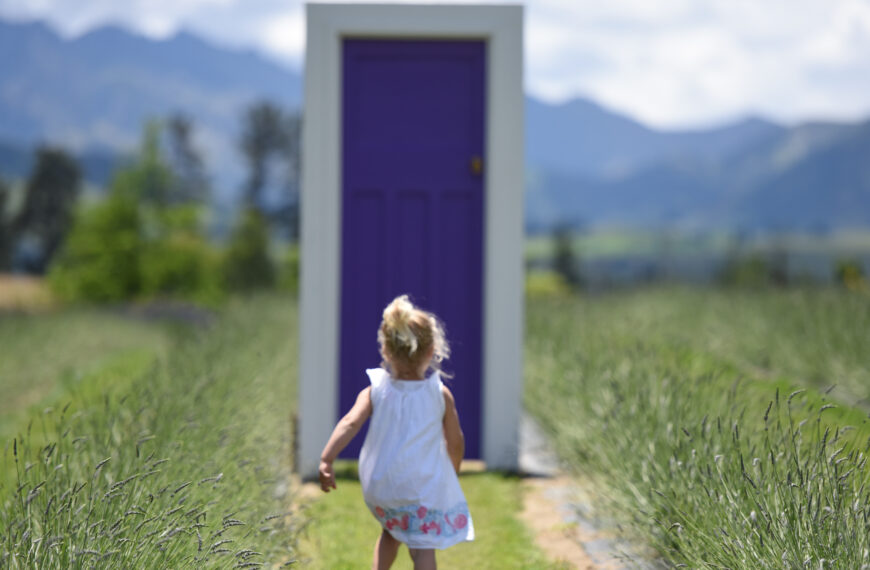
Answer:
(412, 206)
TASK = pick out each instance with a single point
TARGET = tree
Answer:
(174, 258)
(148, 178)
(5, 229)
(270, 139)
(138, 241)
(264, 134)
(286, 215)
(50, 196)
(189, 183)
(564, 258)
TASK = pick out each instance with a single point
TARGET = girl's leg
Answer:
(424, 558)
(386, 549)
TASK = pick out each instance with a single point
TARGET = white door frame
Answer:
(501, 26)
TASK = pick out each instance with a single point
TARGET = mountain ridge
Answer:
(586, 163)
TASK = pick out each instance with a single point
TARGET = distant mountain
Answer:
(813, 177)
(820, 178)
(96, 91)
(581, 137)
(586, 164)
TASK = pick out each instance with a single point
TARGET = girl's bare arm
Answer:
(452, 430)
(344, 432)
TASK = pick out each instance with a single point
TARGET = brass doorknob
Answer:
(476, 165)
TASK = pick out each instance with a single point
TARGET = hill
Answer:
(813, 177)
(96, 91)
(586, 163)
(582, 137)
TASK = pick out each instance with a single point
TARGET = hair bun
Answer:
(397, 317)
(409, 336)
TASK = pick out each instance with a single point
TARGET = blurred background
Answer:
(152, 149)
(697, 213)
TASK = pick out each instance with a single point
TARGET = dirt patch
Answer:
(23, 293)
(543, 505)
(563, 512)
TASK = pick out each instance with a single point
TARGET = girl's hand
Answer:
(327, 476)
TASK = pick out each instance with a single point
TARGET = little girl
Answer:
(411, 454)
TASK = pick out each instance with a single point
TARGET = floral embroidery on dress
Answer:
(428, 521)
(394, 522)
(458, 522)
(426, 527)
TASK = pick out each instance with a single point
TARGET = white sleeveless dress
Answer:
(407, 478)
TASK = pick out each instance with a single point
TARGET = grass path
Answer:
(342, 532)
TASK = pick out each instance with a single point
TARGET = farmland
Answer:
(725, 428)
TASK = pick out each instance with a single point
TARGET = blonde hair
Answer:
(407, 333)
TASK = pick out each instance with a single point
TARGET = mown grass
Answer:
(691, 410)
(343, 533)
(180, 463)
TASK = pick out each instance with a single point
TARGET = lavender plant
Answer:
(185, 465)
(714, 460)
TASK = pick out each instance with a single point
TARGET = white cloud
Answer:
(668, 62)
(686, 62)
(284, 35)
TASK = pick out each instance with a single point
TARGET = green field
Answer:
(687, 407)
(163, 444)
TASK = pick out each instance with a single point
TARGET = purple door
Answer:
(412, 204)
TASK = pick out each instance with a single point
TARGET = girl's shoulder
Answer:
(378, 378)
(377, 375)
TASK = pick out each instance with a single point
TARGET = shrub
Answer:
(100, 261)
(109, 257)
(751, 271)
(850, 274)
(246, 264)
(546, 284)
(182, 266)
(178, 261)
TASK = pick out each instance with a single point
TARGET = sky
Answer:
(667, 63)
